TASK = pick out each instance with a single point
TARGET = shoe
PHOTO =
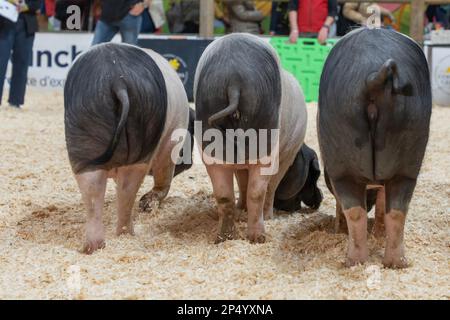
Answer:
(16, 106)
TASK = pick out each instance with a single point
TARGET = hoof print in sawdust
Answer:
(54, 225)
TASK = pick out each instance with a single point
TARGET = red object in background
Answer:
(312, 15)
(390, 6)
(50, 7)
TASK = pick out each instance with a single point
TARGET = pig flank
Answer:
(108, 108)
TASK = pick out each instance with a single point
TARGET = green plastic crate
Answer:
(304, 60)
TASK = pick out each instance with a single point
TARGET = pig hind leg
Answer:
(128, 181)
(340, 224)
(242, 180)
(256, 195)
(351, 196)
(378, 229)
(222, 182)
(163, 169)
(93, 187)
(399, 192)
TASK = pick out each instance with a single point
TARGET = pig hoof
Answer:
(350, 262)
(356, 257)
(149, 202)
(395, 262)
(91, 246)
(224, 237)
(257, 238)
(125, 230)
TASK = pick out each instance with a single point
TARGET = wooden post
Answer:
(206, 18)
(417, 19)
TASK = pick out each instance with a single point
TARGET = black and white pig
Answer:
(373, 126)
(239, 85)
(299, 184)
(122, 105)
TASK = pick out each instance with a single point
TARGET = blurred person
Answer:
(358, 13)
(191, 16)
(16, 42)
(311, 19)
(50, 11)
(355, 15)
(120, 16)
(244, 17)
(221, 15)
(184, 16)
(437, 16)
(154, 18)
(279, 19)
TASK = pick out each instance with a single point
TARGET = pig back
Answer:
(94, 109)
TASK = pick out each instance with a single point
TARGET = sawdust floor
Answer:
(173, 256)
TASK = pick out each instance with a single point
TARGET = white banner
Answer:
(440, 75)
(53, 54)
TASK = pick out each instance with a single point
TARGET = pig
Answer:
(239, 84)
(373, 127)
(121, 106)
(299, 183)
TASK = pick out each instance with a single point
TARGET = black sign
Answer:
(183, 56)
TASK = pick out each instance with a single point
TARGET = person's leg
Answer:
(147, 23)
(129, 28)
(21, 58)
(104, 32)
(7, 31)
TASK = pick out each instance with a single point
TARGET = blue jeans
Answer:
(128, 27)
(14, 39)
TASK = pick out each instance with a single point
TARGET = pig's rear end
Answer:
(238, 85)
(385, 125)
(114, 111)
(373, 127)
